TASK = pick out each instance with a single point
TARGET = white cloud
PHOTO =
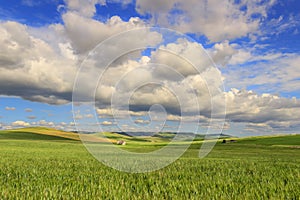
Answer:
(88, 115)
(31, 68)
(65, 126)
(106, 123)
(173, 118)
(20, 124)
(28, 110)
(234, 55)
(247, 106)
(40, 64)
(141, 121)
(45, 123)
(79, 28)
(85, 8)
(241, 57)
(132, 113)
(78, 116)
(273, 73)
(154, 84)
(10, 108)
(223, 52)
(217, 21)
(63, 123)
(282, 24)
(104, 112)
(154, 7)
(72, 124)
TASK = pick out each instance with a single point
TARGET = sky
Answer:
(139, 65)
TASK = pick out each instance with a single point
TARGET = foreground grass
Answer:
(37, 169)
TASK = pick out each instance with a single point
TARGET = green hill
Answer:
(275, 140)
(37, 133)
(42, 133)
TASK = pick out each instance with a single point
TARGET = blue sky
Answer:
(255, 46)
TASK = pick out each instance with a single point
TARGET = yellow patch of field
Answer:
(49, 131)
(63, 134)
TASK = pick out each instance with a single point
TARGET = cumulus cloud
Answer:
(79, 28)
(184, 75)
(20, 124)
(173, 118)
(106, 123)
(216, 21)
(78, 116)
(242, 105)
(45, 123)
(273, 73)
(265, 112)
(70, 126)
(40, 64)
(222, 53)
(88, 116)
(104, 112)
(10, 108)
(108, 112)
(141, 121)
(247, 106)
(85, 8)
(179, 56)
(28, 110)
(30, 67)
(132, 113)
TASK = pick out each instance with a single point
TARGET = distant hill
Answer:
(142, 138)
(42, 133)
(170, 134)
(38, 133)
(273, 140)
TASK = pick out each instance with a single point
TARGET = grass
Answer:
(36, 167)
(275, 140)
(38, 133)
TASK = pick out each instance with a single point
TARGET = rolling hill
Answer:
(38, 133)
(42, 133)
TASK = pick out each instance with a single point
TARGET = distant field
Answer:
(38, 133)
(275, 140)
(38, 164)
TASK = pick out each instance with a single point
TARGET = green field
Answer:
(43, 166)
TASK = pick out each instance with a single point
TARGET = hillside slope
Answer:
(38, 133)
(42, 133)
